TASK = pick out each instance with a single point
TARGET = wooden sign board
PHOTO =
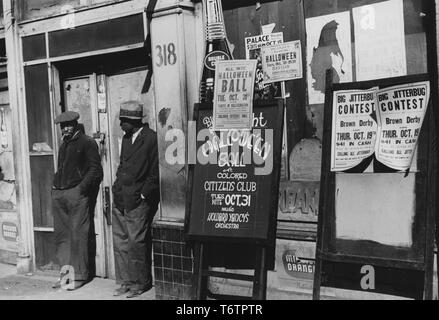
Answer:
(376, 227)
(229, 199)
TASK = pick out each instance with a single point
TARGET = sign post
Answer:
(233, 192)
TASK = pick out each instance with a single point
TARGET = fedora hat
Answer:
(131, 110)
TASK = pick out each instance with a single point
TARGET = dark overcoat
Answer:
(79, 163)
(138, 172)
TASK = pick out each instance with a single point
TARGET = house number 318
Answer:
(166, 55)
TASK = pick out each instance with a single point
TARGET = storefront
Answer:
(89, 56)
(360, 40)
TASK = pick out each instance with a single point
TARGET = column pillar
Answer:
(25, 261)
(177, 44)
(175, 32)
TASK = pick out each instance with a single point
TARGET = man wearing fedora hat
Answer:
(75, 189)
(136, 196)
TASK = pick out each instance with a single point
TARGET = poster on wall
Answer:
(392, 138)
(299, 201)
(8, 231)
(401, 112)
(380, 41)
(295, 265)
(233, 99)
(328, 47)
(282, 62)
(353, 128)
(253, 47)
(254, 44)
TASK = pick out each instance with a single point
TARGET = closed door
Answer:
(97, 98)
(122, 87)
(80, 95)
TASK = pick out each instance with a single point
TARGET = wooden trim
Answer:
(26, 244)
(56, 93)
(227, 275)
(145, 25)
(52, 109)
(325, 183)
(130, 70)
(46, 38)
(40, 154)
(390, 263)
(85, 54)
(172, 9)
(83, 16)
(432, 162)
(43, 229)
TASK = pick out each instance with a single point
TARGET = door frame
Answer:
(66, 69)
(99, 220)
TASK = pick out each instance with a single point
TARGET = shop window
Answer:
(34, 47)
(42, 179)
(38, 108)
(41, 158)
(360, 40)
(97, 36)
(40, 142)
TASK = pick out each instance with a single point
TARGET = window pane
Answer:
(97, 36)
(34, 47)
(38, 107)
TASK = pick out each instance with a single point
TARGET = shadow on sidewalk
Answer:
(39, 287)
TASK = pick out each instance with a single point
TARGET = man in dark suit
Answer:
(75, 189)
(136, 196)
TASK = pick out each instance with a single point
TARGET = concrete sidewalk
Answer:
(39, 287)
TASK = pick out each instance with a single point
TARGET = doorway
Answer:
(95, 91)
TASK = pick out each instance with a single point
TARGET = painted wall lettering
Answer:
(166, 55)
(299, 200)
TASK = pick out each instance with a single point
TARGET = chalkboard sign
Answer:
(376, 227)
(233, 187)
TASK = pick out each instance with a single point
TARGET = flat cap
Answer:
(67, 117)
(131, 110)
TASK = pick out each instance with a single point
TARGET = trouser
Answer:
(74, 232)
(132, 242)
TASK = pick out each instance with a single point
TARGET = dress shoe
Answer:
(76, 285)
(138, 292)
(57, 285)
(121, 290)
(135, 293)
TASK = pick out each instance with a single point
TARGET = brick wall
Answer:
(173, 263)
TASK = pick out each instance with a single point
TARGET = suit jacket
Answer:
(138, 171)
(79, 163)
